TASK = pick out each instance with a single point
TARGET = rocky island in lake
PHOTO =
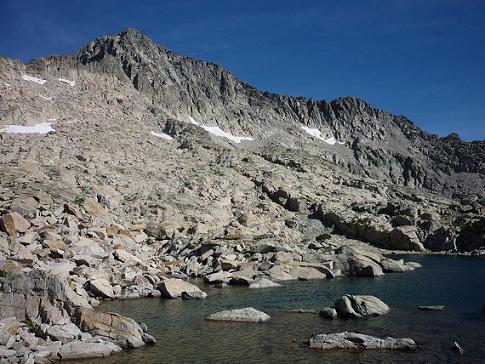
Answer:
(142, 189)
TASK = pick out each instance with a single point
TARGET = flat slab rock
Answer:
(356, 341)
(247, 314)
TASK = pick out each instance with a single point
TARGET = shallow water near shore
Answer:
(184, 336)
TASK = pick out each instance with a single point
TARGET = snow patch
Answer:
(161, 135)
(70, 83)
(215, 130)
(33, 79)
(48, 98)
(42, 128)
(318, 134)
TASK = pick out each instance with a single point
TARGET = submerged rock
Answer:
(432, 308)
(457, 347)
(247, 314)
(358, 306)
(353, 340)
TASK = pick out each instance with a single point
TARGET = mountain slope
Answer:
(376, 143)
(184, 141)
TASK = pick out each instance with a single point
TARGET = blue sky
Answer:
(423, 59)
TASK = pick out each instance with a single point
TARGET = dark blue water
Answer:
(184, 336)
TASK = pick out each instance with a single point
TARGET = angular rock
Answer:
(124, 331)
(174, 288)
(13, 223)
(101, 288)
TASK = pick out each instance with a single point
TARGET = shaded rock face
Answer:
(33, 295)
(357, 341)
(247, 314)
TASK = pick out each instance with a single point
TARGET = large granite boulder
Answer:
(358, 306)
(174, 288)
(357, 341)
(355, 262)
(124, 331)
(247, 314)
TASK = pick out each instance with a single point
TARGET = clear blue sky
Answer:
(423, 59)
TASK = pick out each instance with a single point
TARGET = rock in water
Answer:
(263, 283)
(328, 312)
(457, 347)
(247, 314)
(174, 288)
(358, 306)
(432, 308)
(353, 340)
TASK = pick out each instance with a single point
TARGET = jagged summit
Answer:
(347, 131)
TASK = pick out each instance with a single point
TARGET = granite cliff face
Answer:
(125, 167)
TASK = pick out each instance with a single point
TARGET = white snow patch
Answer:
(48, 98)
(318, 134)
(42, 128)
(215, 130)
(70, 83)
(33, 79)
(161, 135)
(192, 120)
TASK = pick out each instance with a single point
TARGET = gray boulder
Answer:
(353, 340)
(247, 314)
(87, 349)
(328, 313)
(358, 306)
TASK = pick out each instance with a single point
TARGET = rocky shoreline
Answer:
(61, 264)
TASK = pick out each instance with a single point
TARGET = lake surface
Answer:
(184, 336)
